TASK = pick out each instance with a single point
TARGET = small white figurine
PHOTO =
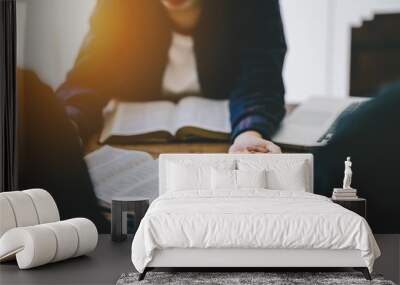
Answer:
(348, 173)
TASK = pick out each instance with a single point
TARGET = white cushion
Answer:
(282, 174)
(87, 233)
(45, 205)
(23, 208)
(251, 178)
(40, 244)
(34, 244)
(67, 237)
(225, 179)
(183, 178)
(269, 162)
(184, 175)
(26, 208)
(7, 218)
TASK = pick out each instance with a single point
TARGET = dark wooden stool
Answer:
(119, 210)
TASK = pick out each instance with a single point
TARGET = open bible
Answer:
(192, 118)
(117, 172)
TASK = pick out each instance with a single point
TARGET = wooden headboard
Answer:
(375, 54)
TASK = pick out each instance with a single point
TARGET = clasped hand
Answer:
(252, 142)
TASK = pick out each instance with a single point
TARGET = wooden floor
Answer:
(389, 262)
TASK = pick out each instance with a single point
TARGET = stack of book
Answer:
(344, 194)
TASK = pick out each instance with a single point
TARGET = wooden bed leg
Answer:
(365, 272)
(143, 274)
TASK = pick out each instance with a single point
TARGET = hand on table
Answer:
(252, 142)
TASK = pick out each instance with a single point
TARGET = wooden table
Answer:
(156, 148)
(175, 147)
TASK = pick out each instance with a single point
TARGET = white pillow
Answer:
(291, 179)
(237, 179)
(223, 179)
(251, 178)
(183, 178)
(184, 175)
(287, 174)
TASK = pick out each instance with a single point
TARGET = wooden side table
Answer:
(120, 207)
(358, 205)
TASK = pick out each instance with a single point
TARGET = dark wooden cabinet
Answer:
(358, 206)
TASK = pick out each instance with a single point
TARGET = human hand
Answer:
(252, 142)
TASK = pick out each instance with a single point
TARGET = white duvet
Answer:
(250, 219)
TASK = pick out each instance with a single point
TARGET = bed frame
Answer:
(242, 259)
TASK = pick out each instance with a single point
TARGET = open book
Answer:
(192, 118)
(119, 173)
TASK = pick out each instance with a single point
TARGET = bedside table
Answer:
(358, 205)
(120, 207)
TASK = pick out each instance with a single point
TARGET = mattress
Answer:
(250, 219)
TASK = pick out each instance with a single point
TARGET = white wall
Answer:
(345, 15)
(54, 30)
(306, 24)
(317, 32)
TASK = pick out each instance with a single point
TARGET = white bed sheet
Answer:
(250, 218)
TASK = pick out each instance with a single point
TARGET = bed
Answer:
(247, 210)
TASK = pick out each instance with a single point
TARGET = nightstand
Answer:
(358, 205)
(120, 207)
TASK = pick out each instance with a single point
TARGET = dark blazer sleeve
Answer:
(257, 101)
(87, 87)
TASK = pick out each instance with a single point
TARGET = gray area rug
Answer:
(232, 278)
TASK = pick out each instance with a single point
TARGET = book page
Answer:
(203, 113)
(130, 118)
(122, 173)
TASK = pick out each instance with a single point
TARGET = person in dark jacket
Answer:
(371, 136)
(147, 50)
(49, 153)
(152, 49)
